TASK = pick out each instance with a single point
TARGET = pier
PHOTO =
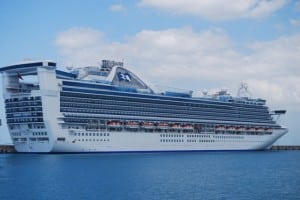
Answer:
(7, 149)
(11, 149)
(284, 147)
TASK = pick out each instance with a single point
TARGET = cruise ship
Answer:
(107, 108)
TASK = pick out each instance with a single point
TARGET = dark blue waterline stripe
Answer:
(145, 152)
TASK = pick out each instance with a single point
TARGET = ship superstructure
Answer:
(108, 108)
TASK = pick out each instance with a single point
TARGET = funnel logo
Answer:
(124, 77)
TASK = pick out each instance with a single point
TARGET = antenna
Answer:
(243, 90)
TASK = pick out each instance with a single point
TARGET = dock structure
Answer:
(284, 147)
(7, 149)
(11, 149)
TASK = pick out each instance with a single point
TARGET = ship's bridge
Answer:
(15, 81)
(27, 68)
(30, 68)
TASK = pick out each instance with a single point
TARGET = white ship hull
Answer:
(151, 142)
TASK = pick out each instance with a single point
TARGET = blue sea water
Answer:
(198, 175)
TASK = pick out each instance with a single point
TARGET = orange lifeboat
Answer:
(230, 128)
(175, 126)
(163, 125)
(257, 129)
(187, 126)
(241, 128)
(268, 129)
(114, 124)
(220, 128)
(132, 124)
(261, 129)
(148, 125)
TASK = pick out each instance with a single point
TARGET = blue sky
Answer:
(199, 45)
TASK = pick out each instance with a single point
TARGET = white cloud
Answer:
(79, 37)
(196, 60)
(218, 9)
(78, 44)
(263, 8)
(295, 22)
(117, 7)
(297, 5)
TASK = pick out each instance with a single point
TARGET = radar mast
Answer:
(243, 90)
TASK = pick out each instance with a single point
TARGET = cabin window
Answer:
(61, 139)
